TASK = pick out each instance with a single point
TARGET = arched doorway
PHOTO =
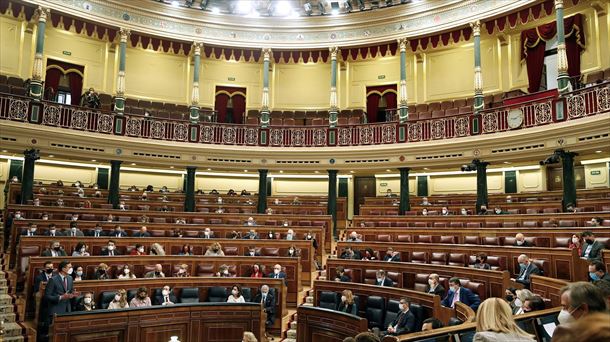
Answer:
(230, 104)
(378, 99)
(63, 82)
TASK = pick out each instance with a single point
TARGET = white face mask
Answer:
(117, 298)
(291, 251)
(126, 271)
(17, 216)
(285, 224)
(206, 233)
(79, 273)
(251, 253)
(565, 317)
(289, 236)
(45, 217)
(87, 300)
(111, 248)
(82, 250)
(225, 272)
(575, 240)
(343, 298)
(444, 211)
(52, 231)
(70, 270)
(403, 307)
(73, 229)
(276, 271)
(165, 292)
(464, 212)
(141, 249)
(519, 242)
(430, 282)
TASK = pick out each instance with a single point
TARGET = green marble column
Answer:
(569, 181)
(27, 179)
(482, 198)
(403, 109)
(119, 98)
(332, 199)
(333, 113)
(478, 79)
(189, 191)
(264, 121)
(115, 174)
(194, 109)
(404, 191)
(36, 83)
(262, 191)
(563, 79)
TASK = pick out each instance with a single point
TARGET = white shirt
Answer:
(239, 299)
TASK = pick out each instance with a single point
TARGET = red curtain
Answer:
(72, 71)
(239, 107)
(238, 100)
(372, 104)
(533, 44)
(220, 105)
(373, 97)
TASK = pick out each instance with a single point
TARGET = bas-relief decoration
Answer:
(419, 23)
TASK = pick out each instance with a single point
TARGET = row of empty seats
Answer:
(476, 225)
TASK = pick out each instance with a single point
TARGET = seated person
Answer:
(97, 231)
(214, 250)
(118, 232)
(483, 210)
(80, 250)
(86, 303)
(389, 193)
(73, 231)
(481, 262)
(181, 220)
(271, 235)
(592, 249)
(457, 293)
(156, 249)
(125, 273)
(156, 273)
(434, 286)
(52, 231)
(122, 205)
(223, 272)
(293, 252)
(527, 268)
(369, 254)
(341, 275)
(349, 253)
(424, 212)
(236, 296)
(597, 271)
(404, 322)
(534, 303)
(102, 272)
(269, 211)
(520, 241)
(576, 243)
(231, 192)
(141, 299)
(424, 201)
(296, 201)
(256, 271)
(463, 212)
(252, 252)
(444, 211)
(392, 255)
(214, 192)
(251, 235)
(30, 231)
(138, 250)
(499, 211)
(78, 274)
(250, 222)
(347, 304)
(144, 219)
(119, 301)
(382, 280)
(182, 271)
(266, 298)
(353, 237)
(143, 232)
(110, 249)
(312, 237)
(186, 250)
(290, 235)
(207, 233)
(430, 324)
(277, 272)
(54, 250)
(166, 297)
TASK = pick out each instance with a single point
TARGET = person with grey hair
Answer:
(526, 269)
(267, 301)
(580, 299)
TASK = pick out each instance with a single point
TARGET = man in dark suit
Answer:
(597, 271)
(382, 280)
(404, 322)
(73, 231)
(526, 269)
(341, 275)
(265, 297)
(97, 231)
(166, 297)
(60, 291)
(434, 286)
(251, 235)
(520, 241)
(45, 274)
(592, 249)
(457, 293)
(30, 231)
(350, 253)
(52, 231)
(118, 232)
(252, 252)
(110, 249)
(207, 234)
(278, 273)
(392, 255)
(143, 232)
(54, 250)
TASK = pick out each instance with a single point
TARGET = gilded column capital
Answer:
(124, 34)
(266, 54)
(334, 50)
(476, 28)
(42, 13)
(558, 4)
(197, 48)
(402, 44)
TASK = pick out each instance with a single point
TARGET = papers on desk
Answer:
(549, 328)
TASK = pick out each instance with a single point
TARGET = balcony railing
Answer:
(578, 104)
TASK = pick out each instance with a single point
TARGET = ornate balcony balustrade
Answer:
(543, 111)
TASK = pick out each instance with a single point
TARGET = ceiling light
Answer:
(282, 8)
(388, 170)
(598, 151)
(425, 168)
(171, 167)
(316, 171)
(245, 170)
(281, 171)
(216, 10)
(209, 169)
(51, 155)
(93, 160)
(133, 164)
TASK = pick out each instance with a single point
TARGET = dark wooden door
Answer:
(363, 187)
(554, 180)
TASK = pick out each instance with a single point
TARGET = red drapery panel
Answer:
(373, 97)
(239, 107)
(55, 70)
(533, 44)
(220, 106)
(372, 104)
(238, 100)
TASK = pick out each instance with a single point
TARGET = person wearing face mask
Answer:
(45, 217)
(80, 250)
(97, 231)
(236, 296)
(119, 301)
(483, 210)
(495, 323)
(444, 211)
(510, 295)
(252, 252)
(251, 235)
(481, 262)
(463, 212)
(286, 223)
(290, 235)
(142, 233)
(434, 286)
(597, 271)
(156, 273)
(54, 250)
(86, 303)
(60, 291)
(457, 293)
(125, 273)
(354, 237)
(165, 297)
(382, 280)
(293, 252)
(347, 303)
(576, 243)
(520, 241)
(110, 249)
(521, 296)
(267, 301)
(141, 299)
(207, 234)
(341, 275)
(527, 268)
(44, 276)
(156, 249)
(278, 273)
(248, 337)
(256, 271)
(118, 232)
(311, 237)
(271, 235)
(182, 271)
(73, 231)
(250, 222)
(30, 231)
(591, 328)
(499, 211)
(391, 255)
(350, 253)
(138, 250)
(18, 215)
(424, 212)
(592, 249)
(404, 322)
(214, 249)
(52, 231)
(102, 272)
(186, 250)
(78, 274)
(534, 303)
(578, 300)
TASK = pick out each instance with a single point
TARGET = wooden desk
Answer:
(404, 274)
(202, 322)
(549, 288)
(561, 263)
(97, 287)
(324, 325)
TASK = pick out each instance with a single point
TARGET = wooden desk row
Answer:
(35, 245)
(198, 265)
(97, 287)
(222, 322)
(561, 263)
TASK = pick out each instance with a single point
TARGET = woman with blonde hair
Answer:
(157, 249)
(119, 301)
(521, 296)
(495, 323)
(347, 304)
(215, 249)
(248, 337)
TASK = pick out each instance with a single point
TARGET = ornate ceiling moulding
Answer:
(356, 29)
